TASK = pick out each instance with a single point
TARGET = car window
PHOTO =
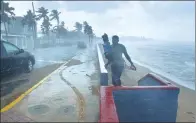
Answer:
(3, 52)
(10, 48)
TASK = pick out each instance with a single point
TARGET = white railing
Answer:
(101, 61)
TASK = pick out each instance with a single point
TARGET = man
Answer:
(117, 64)
(107, 49)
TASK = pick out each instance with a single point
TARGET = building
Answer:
(18, 34)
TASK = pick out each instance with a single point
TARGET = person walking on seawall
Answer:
(117, 64)
(107, 49)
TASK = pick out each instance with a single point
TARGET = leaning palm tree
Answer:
(88, 31)
(85, 24)
(78, 26)
(30, 20)
(45, 27)
(55, 15)
(43, 14)
(62, 24)
(6, 15)
(62, 30)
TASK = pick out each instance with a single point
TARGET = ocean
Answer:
(174, 60)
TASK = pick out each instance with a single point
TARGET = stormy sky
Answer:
(165, 20)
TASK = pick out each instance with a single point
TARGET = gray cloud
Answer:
(168, 20)
(91, 6)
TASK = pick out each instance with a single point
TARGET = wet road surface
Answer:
(70, 94)
(53, 55)
(15, 85)
(47, 60)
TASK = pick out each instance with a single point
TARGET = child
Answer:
(107, 49)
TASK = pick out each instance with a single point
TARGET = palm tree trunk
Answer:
(35, 35)
(48, 39)
(58, 30)
(34, 28)
(6, 30)
(89, 39)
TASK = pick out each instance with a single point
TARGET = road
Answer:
(47, 60)
(54, 55)
(70, 94)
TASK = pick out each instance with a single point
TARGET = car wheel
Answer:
(29, 66)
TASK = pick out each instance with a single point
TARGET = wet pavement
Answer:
(14, 85)
(70, 94)
(53, 55)
(47, 60)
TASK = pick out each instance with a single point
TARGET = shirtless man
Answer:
(117, 64)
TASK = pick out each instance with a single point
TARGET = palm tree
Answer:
(6, 15)
(35, 27)
(55, 15)
(90, 33)
(62, 24)
(85, 24)
(30, 20)
(78, 26)
(62, 30)
(43, 14)
(88, 30)
(45, 27)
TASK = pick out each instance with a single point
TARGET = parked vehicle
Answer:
(14, 59)
(81, 45)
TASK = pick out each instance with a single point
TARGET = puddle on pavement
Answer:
(58, 99)
(38, 109)
(65, 110)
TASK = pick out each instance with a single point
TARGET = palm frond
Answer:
(52, 18)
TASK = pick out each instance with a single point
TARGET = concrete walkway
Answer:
(70, 94)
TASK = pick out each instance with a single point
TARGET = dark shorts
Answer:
(117, 70)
